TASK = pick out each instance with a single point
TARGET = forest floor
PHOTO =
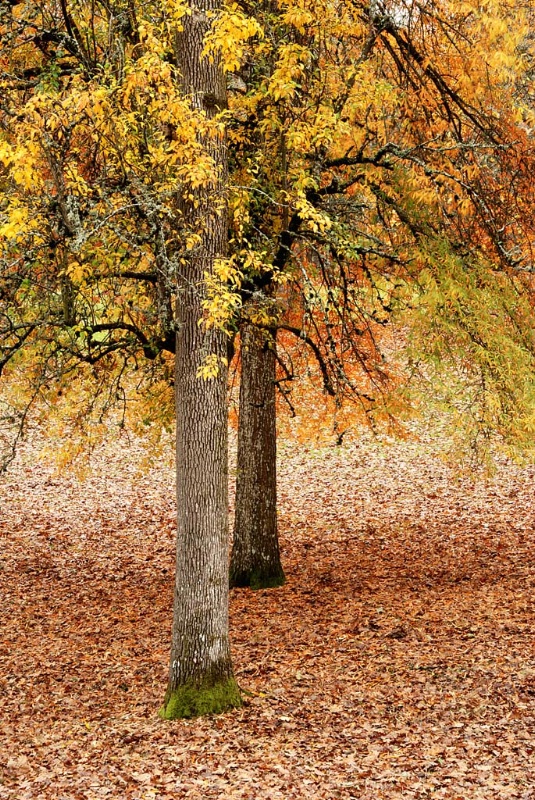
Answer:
(398, 661)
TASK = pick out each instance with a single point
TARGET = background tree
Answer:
(255, 558)
(371, 171)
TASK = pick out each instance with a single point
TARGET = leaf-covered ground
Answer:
(397, 662)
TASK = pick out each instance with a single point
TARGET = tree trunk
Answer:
(255, 559)
(200, 675)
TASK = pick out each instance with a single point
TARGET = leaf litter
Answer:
(398, 661)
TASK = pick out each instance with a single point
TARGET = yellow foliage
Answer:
(334, 133)
(17, 224)
(211, 366)
(229, 35)
(290, 69)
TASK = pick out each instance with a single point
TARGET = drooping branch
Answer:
(301, 334)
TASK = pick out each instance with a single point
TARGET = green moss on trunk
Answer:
(267, 580)
(256, 579)
(197, 701)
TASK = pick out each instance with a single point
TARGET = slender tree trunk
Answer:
(200, 675)
(255, 559)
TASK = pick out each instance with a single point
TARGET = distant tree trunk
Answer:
(200, 675)
(255, 559)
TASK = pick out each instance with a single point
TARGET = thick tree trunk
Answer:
(200, 675)
(255, 559)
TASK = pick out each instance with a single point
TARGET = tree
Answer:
(255, 558)
(200, 678)
(117, 214)
(347, 208)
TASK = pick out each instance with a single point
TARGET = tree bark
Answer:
(255, 559)
(200, 674)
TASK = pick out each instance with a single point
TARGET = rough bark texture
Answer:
(200, 676)
(255, 559)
